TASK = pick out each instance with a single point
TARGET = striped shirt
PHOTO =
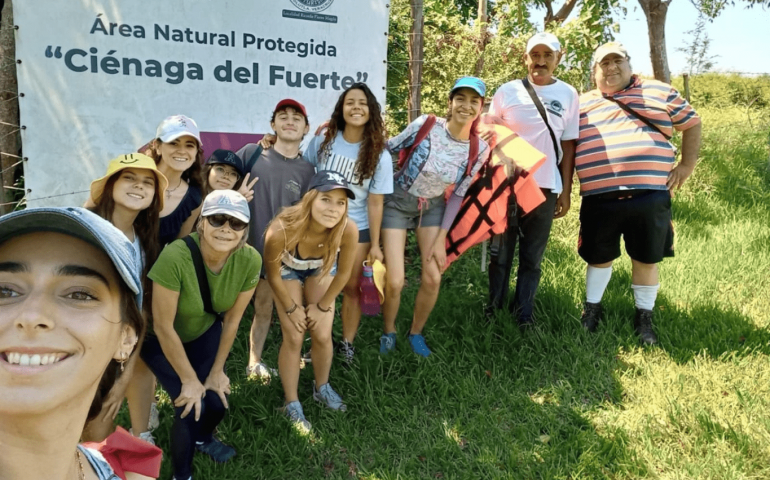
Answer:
(616, 151)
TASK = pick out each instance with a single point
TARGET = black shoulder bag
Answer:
(543, 114)
(644, 120)
(200, 272)
(253, 159)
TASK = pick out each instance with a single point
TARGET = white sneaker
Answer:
(146, 436)
(154, 417)
(261, 372)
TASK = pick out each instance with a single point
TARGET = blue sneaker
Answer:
(327, 396)
(387, 343)
(419, 346)
(296, 415)
(215, 449)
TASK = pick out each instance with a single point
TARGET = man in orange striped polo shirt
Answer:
(628, 173)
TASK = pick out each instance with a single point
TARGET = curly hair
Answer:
(295, 222)
(374, 134)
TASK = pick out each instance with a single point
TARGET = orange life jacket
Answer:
(484, 210)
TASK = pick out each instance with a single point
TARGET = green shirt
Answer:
(175, 270)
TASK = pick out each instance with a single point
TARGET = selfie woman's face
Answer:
(60, 322)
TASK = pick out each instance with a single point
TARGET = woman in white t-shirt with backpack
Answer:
(353, 144)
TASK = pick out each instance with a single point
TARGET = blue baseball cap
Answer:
(87, 226)
(326, 180)
(475, 84)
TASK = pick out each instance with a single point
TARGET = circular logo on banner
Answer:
(312, 5)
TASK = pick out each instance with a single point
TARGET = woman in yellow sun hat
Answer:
(130, 196)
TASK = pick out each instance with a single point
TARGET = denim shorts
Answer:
(288, 273)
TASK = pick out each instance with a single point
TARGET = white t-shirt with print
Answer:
(513, 104)
(343, 158)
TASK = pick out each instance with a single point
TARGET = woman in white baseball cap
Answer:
(178, 151)
(201, 287)
(70, 315)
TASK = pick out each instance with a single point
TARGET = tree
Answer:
(697, 51)
(10, 144)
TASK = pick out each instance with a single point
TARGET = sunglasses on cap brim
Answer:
(218, 221)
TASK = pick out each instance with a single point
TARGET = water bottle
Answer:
(370, 298)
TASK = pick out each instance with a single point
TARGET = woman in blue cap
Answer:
(443, 157)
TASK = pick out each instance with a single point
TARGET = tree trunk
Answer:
(483, 36)
(415, 59)
(10, 139)
(655, 11)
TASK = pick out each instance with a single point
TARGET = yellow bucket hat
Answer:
(378, 273)
(131, 160)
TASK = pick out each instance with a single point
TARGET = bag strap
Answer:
(543, 114)
(253, 159)
(638, 116)
(422, 134)
(200, 272)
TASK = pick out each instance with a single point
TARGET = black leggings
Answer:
(186, 431)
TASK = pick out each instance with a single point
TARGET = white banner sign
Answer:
(97, 76)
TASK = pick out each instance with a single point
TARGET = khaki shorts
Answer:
(401, 211)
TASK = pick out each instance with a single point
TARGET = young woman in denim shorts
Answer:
(437, 165)
(302, 244)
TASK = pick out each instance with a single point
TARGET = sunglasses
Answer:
(218, 221)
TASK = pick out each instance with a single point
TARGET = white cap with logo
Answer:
(226, 202)
(177, 126)
(544, 38)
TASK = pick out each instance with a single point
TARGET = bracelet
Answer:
(318, 306)
(291, 310)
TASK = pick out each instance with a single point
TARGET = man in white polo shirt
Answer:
(544, 111)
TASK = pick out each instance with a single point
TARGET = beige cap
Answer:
(606, 49)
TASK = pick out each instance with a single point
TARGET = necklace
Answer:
(169, 191)
(80, 464)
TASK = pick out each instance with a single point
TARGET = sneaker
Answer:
(387, 343)
(526, 323)
(146, 436)
(592, 314)
(215, 449)
(643, 326)
(260, 372)
(419, 346)
(329, 397)
(295, 413)
(154, 417)
(346, 350)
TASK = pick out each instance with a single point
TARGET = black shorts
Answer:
(644, 221)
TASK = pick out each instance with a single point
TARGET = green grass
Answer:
(555, 403)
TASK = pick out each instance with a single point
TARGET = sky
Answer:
(739, 36)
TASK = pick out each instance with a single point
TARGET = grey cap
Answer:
(85, 225)
(226, 202)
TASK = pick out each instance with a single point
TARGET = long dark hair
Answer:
(193, 175)
(146, 226)
(129, 315)
(374, 134)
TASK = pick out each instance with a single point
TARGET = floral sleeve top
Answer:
(438, 161)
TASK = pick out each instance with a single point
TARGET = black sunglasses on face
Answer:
(218, 221)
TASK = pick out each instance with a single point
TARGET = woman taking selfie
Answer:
(70, 314)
